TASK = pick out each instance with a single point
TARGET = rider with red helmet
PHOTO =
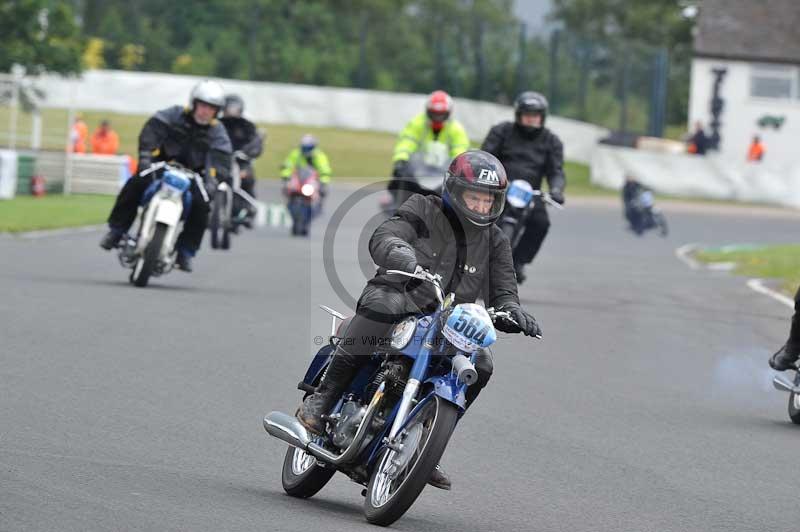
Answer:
(453, 236)
(429, 133)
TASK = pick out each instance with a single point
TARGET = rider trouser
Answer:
(248, 184)
(536, 227)
(793, 343)
(124, 212)
(378, 310)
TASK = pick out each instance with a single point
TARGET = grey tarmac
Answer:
(645, 407)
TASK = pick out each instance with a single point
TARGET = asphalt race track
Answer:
(646, 407)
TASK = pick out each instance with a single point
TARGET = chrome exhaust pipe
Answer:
(287, 428)
(783, 384)
(465, 370)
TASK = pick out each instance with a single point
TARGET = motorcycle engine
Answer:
(346, 426)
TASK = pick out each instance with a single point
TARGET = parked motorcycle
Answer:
(389, 429)
(164, 206)
(232, 206)
(303, 192)
(521, 199)
(780, 382)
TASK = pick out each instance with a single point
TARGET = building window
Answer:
(775, 82)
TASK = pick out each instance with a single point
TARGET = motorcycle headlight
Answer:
(307, 189)
(403, 332)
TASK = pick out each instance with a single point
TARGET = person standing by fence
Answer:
(105, 140)
(78, 135)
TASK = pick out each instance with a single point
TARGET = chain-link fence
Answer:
(631, 87)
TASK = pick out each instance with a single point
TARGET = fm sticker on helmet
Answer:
(489, 177)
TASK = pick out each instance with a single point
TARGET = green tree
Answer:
(39, 35)
(620, 31)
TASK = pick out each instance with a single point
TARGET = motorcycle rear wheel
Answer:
(427, 433)
(794, 403)
(662, 224)
(302, 477)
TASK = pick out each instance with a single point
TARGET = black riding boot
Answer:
(785, 358)
(340, 372)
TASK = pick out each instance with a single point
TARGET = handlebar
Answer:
(547, 199)
(424, 275)
(501, 314)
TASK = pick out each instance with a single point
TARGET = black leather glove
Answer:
(323, 189)
(526, 323)
(400, 169)
(557, 195)
(401, 257)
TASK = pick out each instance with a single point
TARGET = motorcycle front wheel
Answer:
(399, 477)
(147, 263)
(219, 222)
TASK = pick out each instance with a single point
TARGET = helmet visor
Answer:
(438, 116)
(480, 205)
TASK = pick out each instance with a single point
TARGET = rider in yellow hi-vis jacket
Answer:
(308, 153)
(432, 134)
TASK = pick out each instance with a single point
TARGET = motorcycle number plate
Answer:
(469, 328)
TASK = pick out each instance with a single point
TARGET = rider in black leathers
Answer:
(245, 137)
(530, 151)
(452, 236)
(193, 137)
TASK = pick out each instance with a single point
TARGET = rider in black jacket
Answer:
(193, 137)
(454, 236)
(530, 151)
(245, 138)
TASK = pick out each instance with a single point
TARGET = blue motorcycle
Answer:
(389, 429)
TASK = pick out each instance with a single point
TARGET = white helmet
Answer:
(209, 92)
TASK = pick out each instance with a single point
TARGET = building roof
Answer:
(749, 30)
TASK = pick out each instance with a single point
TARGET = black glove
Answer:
(400, 169)
(526, 323)
(401, 257)
(323, 189)
(557, 195)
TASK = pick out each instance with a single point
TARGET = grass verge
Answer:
(353, 153)
(780, 262)
(27, 213)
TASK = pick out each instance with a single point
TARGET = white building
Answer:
(757, 44)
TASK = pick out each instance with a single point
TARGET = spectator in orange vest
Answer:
(756, 152)
(105, 140)
(78, 135)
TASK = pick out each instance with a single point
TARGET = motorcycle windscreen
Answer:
(176, 180)
(519, 194)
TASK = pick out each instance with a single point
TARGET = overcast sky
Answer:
(533, 13)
